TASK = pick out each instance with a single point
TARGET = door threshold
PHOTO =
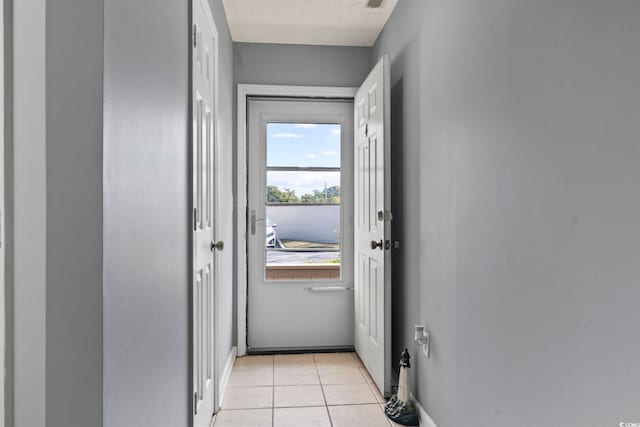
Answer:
(299, 350)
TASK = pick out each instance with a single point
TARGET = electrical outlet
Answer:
(423, 339)
(426, 346)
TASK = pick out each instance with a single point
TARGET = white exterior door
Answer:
(372, 225)
(300, 232)
(204, 186)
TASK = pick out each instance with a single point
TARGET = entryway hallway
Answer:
(301, 390)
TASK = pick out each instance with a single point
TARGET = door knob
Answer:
(217, 245)
(375, 244)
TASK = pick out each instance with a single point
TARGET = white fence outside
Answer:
(310, 223)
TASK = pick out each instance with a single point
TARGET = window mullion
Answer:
(302, 169)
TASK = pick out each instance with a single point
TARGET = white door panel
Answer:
(373, 227)
(204, 217)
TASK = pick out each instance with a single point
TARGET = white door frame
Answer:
(3, 334)
(244, 91)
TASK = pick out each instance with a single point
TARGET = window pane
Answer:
(303, 145)
(303, 187)
(309, 227)
(302, 242)
(303, 225)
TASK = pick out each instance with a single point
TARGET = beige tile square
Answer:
(335, 359)
(244, 418)
(253, 362)
(358, 416)
(340, 375)
(301, 417)
(248, 398)
(294, 361)
(251, 378)
(350, 394)
(296, 376)
(298, 395)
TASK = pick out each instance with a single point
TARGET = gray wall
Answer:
(29, 213)
(528, 250)
(300, 65)
(147, 378)
(58, 213)
(57, 185)
(146, 214)
(400, 39)
(74, 213)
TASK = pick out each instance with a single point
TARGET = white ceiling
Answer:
(316, 22)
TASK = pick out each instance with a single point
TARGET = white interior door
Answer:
(204, 186)
(300, 216)
(2, 216)
(373, 225)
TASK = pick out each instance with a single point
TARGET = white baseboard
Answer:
(226, 374)
(425, 419)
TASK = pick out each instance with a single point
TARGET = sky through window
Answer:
(303, 145)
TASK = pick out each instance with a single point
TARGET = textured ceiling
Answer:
(315, 22)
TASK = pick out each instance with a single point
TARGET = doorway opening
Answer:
(300, 240)
(276, 314)
(271, 92)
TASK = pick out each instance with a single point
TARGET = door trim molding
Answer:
(226, 375)
(244, 91)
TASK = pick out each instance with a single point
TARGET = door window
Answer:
(303, 224)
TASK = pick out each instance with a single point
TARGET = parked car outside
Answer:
(271, 235)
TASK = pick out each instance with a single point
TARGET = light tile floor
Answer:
(301, 390)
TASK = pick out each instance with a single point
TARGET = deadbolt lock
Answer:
(217, 245)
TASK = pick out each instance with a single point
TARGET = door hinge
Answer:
(195, 35)
(195, 219)
(195, 403)
(385, 215)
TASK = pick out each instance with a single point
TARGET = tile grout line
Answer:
(316, 368)
(326, 405)
(304, 406)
